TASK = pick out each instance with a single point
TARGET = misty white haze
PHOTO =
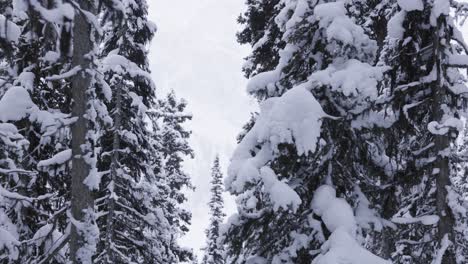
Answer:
(195, 52)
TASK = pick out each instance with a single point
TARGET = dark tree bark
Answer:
(81, 194)
(441, 145)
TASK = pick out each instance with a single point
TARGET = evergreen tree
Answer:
(39, 69)
(214, 250)
(307, 135)
(387, 142)
(66, 78)
(424, 96)
(173, 145)
(137, 227)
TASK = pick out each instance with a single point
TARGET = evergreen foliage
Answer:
(214, 250)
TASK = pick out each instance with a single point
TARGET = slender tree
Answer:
(136, 227)
(214, 250)
(174, 147)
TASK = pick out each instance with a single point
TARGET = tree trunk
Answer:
(81, 195)
(442, 145)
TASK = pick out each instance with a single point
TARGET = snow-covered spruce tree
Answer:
(135, 226)
(13, 147)
(213, 249)
(293, 147)
(424, 95)
(55, 79)
(174, 148)
(42, 116)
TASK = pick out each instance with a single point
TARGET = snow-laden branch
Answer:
(75, 70)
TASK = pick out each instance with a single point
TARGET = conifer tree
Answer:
(392, 94)
(37, 82)
(424, 88)
(64, 91)
(213, 249)
(172, 139)
(325, 72)
(13, 148)
(136, 227)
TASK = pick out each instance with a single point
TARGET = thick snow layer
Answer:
(395, 25)
(20, 6)
(342, 248)
(263, 80)
(120, 64)
(326, 12)
(384, 119)
(15, 104)
(58, 159)
(322, 198)
(352, 78)
(335, 212)
(51, 56)
(9, 30)
(26, 80)
(256, 260)
(42, 234)
(459, 60)
(339, 214)
(291, 15)
(55, 15)
(280, 193)
(10, 243)
(425, 220)
(411, 5)
(8, 129)
(339, 27)
(366, 217)
(437, 128)
(440, 7)
(293, 118)
(268, 81)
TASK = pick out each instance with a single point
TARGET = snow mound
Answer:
(294, 117)
(10, 243)
(411, 5)
(322, 198)
(335, 212)
(339, 214)
(342, 248)
(9, 30)
(351, 78)
(395, 25)
(339, 27)
(15, 104)
(58, 159)
(280, 193)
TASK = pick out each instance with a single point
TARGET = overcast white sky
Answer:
(195, 53)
